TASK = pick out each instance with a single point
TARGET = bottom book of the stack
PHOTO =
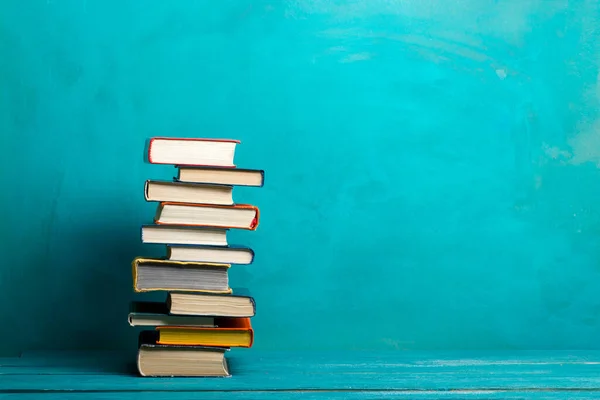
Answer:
(155, 359)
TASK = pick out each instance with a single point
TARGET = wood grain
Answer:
(350, 375)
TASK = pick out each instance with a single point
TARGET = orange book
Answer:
(229, 332)
(241, 216)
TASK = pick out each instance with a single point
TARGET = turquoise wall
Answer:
(432, 166)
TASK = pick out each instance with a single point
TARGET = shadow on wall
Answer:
(79, 285)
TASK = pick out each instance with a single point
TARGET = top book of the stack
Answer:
(191, 151)
(203, 160)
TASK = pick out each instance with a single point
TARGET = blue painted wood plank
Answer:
(444, 380)
(318, 371)
(374, 359)
(354, 395)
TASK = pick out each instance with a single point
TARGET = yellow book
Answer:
(230, 332)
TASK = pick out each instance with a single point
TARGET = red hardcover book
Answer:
(241, 216)
(192, 151)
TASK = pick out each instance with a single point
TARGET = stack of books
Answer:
(201, 317)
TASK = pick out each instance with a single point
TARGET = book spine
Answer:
(150, 144)
(158, 212)
(253, 305)
(146, 187)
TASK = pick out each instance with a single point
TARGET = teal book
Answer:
(192, 309)
(238, 304)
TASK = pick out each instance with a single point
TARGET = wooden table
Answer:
(314, 375)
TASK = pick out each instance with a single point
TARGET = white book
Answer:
(180, 192)
(173, 234)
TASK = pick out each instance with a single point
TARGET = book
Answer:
(158, 360)
(151, 274)
(231, 332)
(181, 192)
(192, 151)
(240, 216)
(173, 234)
(221, 176)
(215, 254)
(156, 313)
(238, 304)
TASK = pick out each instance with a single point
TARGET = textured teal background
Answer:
(432, 166)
